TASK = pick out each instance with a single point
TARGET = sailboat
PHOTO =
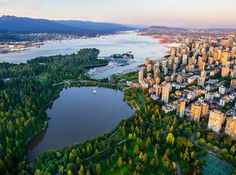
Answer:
(94, 91)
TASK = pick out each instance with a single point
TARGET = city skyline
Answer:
(194, 14)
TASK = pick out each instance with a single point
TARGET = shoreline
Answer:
(110, 132)
(64, 47)
(38, 44)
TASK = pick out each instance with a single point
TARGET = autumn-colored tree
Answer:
(170, 138)
(120, 162)
(125, 151)
(148, 142)
(98, 169)
(136, 149)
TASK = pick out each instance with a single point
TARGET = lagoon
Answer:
(78, 115)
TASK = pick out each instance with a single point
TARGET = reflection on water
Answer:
(78, 115)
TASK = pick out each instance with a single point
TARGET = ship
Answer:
(94, 91)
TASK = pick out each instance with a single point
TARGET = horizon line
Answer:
(138, 25)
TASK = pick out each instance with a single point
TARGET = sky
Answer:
(181, 13)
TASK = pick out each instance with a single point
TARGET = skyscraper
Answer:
(230, 127)
(182, 107)
(205, 109)
(225, 71)
(222, 90)
(216, 120)
(201, 64)
(233, 84)
(158, 90)
(149, 68)
(195, 111)
(140, 76)
(166, 88)
(147, 61)
(202, 78)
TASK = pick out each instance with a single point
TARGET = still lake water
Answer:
(141, 47)
(78, 115)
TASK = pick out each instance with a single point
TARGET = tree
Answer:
(88, 172)
(141, 156)
(23, 102)
(209, 145)
(232, 150)
(157, 136)
(72, 155)
(148, 142)
(134, 136)
(192, 154)
(166, 161)
(152, 162)
(61, 169)
(186, 155)
(130, 136)
(98, 169)
(37, 172)
(77, 162)
(202, 142)
(187, 132)
(88, 149)
(197, 135)
(108, 163)
(173, 165)
(96, 152)
(215, 149)
(224, 151)
(120, 162)
(170, 139)
(210, 136)
(153, 118)
(69, 172)
(125, 151)
(81, 170)
(227, 140)
(145, 157)
(136, 149)
(130, 163)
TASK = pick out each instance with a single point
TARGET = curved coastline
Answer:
(79, 85)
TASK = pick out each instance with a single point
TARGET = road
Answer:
(178, 168)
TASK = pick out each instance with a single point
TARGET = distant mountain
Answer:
(156, 29)
(29, 25)
(220, 29)
(164, 28)
(167, 28)
(22, 24)
(97, 26)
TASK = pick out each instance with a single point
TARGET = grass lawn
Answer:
(128, 77)
(43, 77)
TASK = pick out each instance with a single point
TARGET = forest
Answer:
(149, 142)
(26, 90)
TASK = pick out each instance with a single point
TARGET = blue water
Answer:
(141, 47)
(78, 115)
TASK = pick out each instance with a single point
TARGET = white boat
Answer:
(94, 91)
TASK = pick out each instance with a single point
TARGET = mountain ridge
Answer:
(32, 25)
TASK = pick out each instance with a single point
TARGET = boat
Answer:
(94, 91)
